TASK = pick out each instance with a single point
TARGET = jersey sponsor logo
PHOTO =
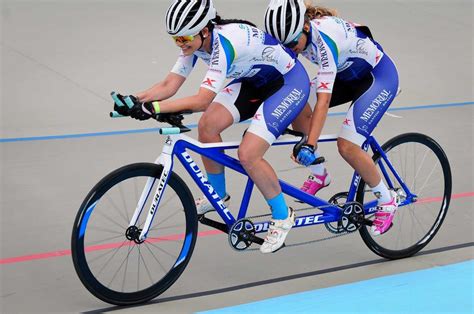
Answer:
(234, 73)
(268, 55)
(252, 72)
(360, 48)
(347, 122)
(208, 82)
(326, 73)
(183, 69)
(255, 32)
(293, 97)
(323, 53)
(215, 52)
(228, 90)
(324, 85)
(289, 65)
(380, 100)
(345, 66)
(349, 26)
(257, 116)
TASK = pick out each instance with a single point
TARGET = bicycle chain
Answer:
(306, 242)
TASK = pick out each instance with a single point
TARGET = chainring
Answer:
(338, 199)
(352, 216)
(240, 234)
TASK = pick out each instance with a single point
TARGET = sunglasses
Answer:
(293, 43)
(182, 40)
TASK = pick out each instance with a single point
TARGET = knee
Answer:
(207, 127)
(247, 159)
(345, 147)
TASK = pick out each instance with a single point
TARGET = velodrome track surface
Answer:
(60, 60)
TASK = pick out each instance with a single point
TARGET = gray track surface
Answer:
(60, 60)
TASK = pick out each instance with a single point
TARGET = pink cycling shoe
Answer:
(384, 216)
(314, 183)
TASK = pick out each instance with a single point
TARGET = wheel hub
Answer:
(133, 234)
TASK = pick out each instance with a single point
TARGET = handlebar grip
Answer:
(169, 131)
(129, 102)
(116, 99)
(115, 114)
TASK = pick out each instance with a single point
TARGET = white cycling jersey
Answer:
(339, 48)
(239, 51)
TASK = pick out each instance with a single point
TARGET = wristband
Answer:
(156, 106)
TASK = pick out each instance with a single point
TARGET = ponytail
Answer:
(316, 12)
(218, 20)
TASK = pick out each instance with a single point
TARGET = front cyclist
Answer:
(269, 85)
(352, 67)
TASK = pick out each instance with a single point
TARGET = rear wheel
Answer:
(110, 261)
(424, 167)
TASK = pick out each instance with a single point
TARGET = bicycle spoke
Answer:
(124, 202)
(422, 165)
(107, 257)
(115, 253)
(104, 240)
(119, 212)
(156, 259)
(121, 265)
(162, 250)
(146, 268)
(105, 230)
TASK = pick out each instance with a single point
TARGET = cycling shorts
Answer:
(272, 107)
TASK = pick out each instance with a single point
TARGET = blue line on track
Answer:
(113, 133)
(445, 289)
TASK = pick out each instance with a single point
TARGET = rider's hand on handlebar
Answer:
(144, 111)
(122, 108)
(306, 155)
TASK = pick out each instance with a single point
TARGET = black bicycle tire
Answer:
(77, 243)
(441, 155)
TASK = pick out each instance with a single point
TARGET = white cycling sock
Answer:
(382, 193)
(318, 169)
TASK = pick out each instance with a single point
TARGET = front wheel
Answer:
(109, 260)
(423, 166)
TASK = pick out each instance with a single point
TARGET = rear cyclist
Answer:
(269, 85)
(352, 68)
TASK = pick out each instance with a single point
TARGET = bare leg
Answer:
(359, 160)
(250, 154)
(213, 121)
(302, 122)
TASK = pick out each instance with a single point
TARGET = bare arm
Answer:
(319, 117)
(164, 89)
(196, 103)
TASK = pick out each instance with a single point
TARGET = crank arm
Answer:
(214, 224)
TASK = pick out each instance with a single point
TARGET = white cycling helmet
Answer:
(189, 17)
(284, 19)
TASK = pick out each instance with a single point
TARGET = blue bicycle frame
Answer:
(178, 145)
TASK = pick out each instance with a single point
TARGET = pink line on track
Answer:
(38, 256)
(25, 258)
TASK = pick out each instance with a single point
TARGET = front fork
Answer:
(165, 159)
(404, 194)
